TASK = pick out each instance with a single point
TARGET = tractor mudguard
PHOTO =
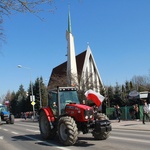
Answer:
(48, 113)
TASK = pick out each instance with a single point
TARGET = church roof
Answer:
(61, 69)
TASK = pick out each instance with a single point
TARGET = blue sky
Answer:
(118, 32)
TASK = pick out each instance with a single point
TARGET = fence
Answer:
(125, 113)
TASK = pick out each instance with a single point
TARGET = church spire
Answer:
(69, 22)
(72, 76)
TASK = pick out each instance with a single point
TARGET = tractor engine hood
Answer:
(78, 106)
(80, 112)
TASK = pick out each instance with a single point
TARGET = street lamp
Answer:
(40, 93)
(32, 96)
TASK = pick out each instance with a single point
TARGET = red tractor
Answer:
(66, 117)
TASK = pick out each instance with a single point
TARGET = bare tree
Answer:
(9, 7)
(141, 83)
(32, 6)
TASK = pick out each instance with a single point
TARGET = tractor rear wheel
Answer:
(45, 128)
(67, 131)
(101, 135)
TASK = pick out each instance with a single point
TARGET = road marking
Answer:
(37, 131)
(39, 141)
(14, 132)
(49, 144)
(1, 137)
(130, 139)
(131, 134)
(125, 130)
(26, 125)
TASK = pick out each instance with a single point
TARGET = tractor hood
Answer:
(80, 106)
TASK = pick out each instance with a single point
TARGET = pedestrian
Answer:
(25, 116)
(132, 112)
(118, 112)
(137, 112)
(145, 112)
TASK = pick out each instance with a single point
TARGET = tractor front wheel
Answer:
(67, 131)
(46, 131)
(101, 135)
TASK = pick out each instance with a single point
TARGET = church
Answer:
(78, 70)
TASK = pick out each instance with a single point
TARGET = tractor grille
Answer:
(88, 113)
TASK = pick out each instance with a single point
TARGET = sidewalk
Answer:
(130, 125)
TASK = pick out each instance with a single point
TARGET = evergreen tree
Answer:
(110, 96)
(117, 96)
(21, 100)
(124, 95)
(28, 101)
(13, 104)
(127, 87)
(41, 94)
(44, 92)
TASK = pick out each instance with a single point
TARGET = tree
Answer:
(7, 97)
(8, 7)
(40, 91)
(141, 83)
(28, 102)
(13, 104)
(124, 95)
(2, 97)
(44, 92)
(117, 95)
(22, 6)
(110, 96)
(21, 100)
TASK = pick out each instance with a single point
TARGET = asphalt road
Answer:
(25, 135)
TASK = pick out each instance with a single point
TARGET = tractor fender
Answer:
(48, 113)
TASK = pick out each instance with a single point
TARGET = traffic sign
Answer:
(33, 103)
(32, 98)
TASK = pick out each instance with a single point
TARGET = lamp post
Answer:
(40, 93)
(32, 96)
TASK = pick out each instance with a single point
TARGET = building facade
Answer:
(79, 70)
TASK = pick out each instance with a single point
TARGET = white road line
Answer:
(130, 139)
(1, 137)
(131, 134)
(136, 131)
(26, 125)
(14, 132)
(50, 144)
(37, 131)
(34, 139)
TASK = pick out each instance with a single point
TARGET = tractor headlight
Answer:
(88, 114)
(86, 117)
(91, 116)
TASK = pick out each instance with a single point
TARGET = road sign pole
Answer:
(32, 99)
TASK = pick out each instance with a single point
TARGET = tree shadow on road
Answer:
(55, 142)
(129, 124)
